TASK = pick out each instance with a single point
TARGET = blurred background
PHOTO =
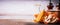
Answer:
(12, 12)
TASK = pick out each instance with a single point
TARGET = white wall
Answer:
(20, 8)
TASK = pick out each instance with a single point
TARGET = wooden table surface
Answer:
(10, 22)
